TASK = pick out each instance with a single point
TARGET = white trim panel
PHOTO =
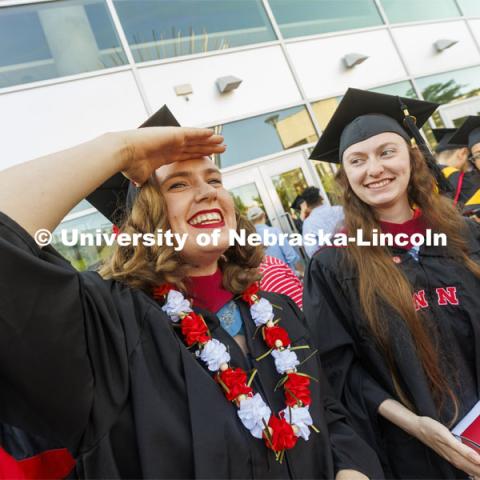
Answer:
(320, 68)
(416, 45)
(267, 83)
(43, 120)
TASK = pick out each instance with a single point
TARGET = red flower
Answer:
(194, 329)
(115, 230)
(283, 436)
(275, 333)
(250, 292)
(235, 379)
(162, 291)
(298, 385)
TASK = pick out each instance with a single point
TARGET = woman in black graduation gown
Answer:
(468, 135)
(406, 370)
(95, 363)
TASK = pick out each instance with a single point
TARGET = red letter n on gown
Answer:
(447, 296)
(420, 300)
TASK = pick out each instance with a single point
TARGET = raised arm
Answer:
(39, 193)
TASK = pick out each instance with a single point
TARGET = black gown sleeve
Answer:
(350, 451)
(327, 310)
(55, 324)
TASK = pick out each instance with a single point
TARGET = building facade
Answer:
(267, 74)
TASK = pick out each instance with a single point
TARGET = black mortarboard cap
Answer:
(363, 114)
(443, 133)
(443, 137)
(469, 133)
(117, 194)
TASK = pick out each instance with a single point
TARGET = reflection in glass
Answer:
(450, 86)
(83, 257)
(326, 172)
(171, 28)
(324, 110)
(83, 205)
(298, 18)
(415, 11)
(55, 39)
(402, 89)
(470, 8)
(245, 197)
(288, 186)
(265, 134)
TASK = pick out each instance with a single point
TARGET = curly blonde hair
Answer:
(145, 267)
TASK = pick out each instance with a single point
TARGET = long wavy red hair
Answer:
(381, 282)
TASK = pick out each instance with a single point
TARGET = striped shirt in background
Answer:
(278, 277)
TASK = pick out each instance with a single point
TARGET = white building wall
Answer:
(416, 44)
(42, 120)
(267, 84)
(475, 27)
(322, 73)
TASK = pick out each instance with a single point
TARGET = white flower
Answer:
(300, 417)
(252, 412)
(214, 353)
(175, 305)
(262, 312)
(285, 360)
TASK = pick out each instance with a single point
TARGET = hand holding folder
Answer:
(468, 429)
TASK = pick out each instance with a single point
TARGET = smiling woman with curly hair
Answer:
(168, 364)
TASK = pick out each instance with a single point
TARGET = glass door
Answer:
(286, 177)
(453, 114)
(248, 190)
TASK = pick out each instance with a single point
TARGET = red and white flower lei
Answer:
(279, 432)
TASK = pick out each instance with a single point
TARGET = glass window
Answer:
(297, 18)
(288, 186)
(470, 8)
(83, 205)
(326, 172)
(266, 134)
(450, 86)
(171, 28)
(54, 39)
(415, 11)
(402, 89)
(88, 256)
(247, 196)
(324, 110)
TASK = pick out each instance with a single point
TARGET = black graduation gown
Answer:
(470, 183)
(357, 370)
(98, 367)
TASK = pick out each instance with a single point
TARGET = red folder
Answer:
(468, 429)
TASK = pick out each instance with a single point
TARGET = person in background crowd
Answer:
(143, 371)
(285, 252)
(398, 327)
(468, 135)
(296, 206)
(278, 277)
(454, 161)
(319, 216)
